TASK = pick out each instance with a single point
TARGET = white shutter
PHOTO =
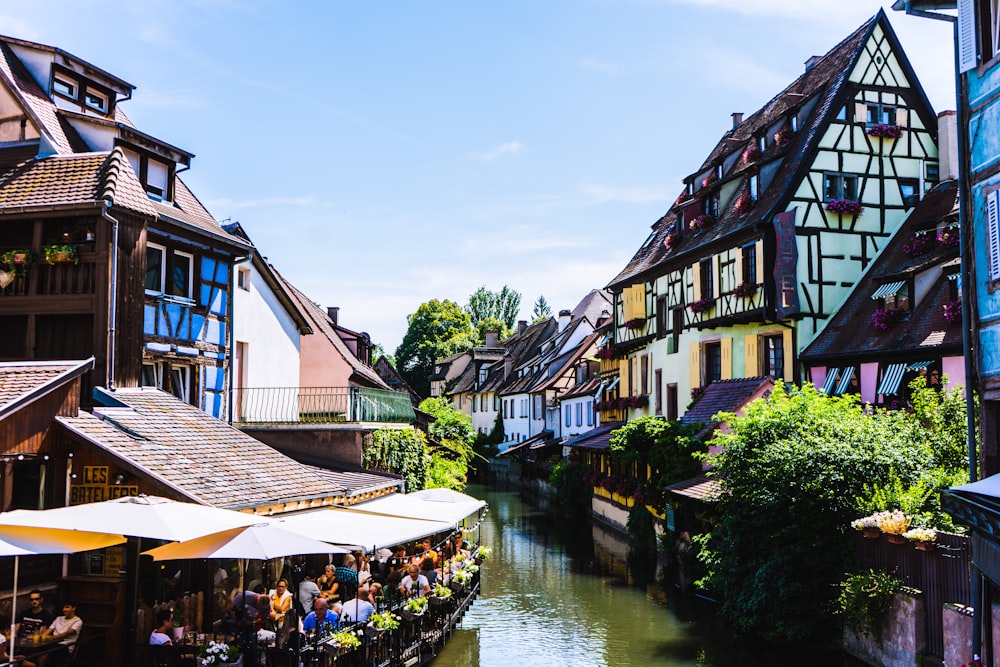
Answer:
(993, 235)
(966, 35)
(902, 117)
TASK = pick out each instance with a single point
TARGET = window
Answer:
(677, 315)
(712, 358)
(909, 191)
(64, 86)
(672, 404)
(243, 279)
(96, 100)
(180, 382)
(794, 120)
(707, 279)
(774, 356)
(989, 29)
(579, 414)
(644, 375)
(505, 409)
(661, 317)
(762, 143)
(754, 186)
(156, 267)
(840, 186)
(932, 173)
(900, 299)
(568, 409)
(155, 175)
(842, 113)
(749, 262)
(590, 413)
(173, 379)
(473, 404)
(710, 206)
(881, 113)
(658, 390)
(536, 407)
(181, 275)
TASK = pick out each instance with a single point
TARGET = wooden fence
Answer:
(942, 574)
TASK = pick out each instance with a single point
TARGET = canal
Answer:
(555, 592)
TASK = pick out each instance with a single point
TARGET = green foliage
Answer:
(668, 447)
(378, 352)
(492, 324)
(795, 470)
(438, 329)
(568, 486)
(450, 426)
(401, 451)
(942, 413)
(865, 600)
(445, 472)
(541, 311)
(503, 305)
(487, 445)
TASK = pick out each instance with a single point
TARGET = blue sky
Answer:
(382, 154)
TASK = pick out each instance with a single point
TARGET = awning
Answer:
(891, 378)
(845, 380)
(430, 504)
(888, 289)
(831, 378)
(613, 384)
(354, 528)
(597, 396)
(916, 366)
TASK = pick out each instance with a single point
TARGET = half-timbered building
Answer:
(773, 229)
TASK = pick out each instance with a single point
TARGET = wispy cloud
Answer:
(817, 10)
(630, 194)
(598, 65)
(509, 148)
(266, 201)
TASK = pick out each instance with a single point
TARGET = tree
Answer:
(541, 311)
(795, 469)
(492, 324)
(438, 329)
(503, 305)
(378, 352)
(402, 451)
(453, 430)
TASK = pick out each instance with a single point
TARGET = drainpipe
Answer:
(231, 332)
(113, 310)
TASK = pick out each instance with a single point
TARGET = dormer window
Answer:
(894, 296)
(96, 100)
(64, 86)
(155, 175)
(762, 144)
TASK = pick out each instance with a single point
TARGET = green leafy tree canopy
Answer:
(438, 329)
(541, 311)
(503, 305)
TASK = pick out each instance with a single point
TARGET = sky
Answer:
(385, 153)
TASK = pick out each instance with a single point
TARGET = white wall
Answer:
(272, 338)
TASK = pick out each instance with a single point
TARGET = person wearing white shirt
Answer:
(358, 610)
(414, 583)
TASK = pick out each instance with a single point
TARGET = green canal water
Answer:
(556, 592)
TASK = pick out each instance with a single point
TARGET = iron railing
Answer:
(320, 405)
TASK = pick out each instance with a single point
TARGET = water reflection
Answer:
(557, 592)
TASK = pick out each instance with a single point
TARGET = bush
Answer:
(402, 451)
(865, 600)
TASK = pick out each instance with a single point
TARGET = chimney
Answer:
(564, 317)
(737, 119)
(603, 319)
(521, 326)
(333, 312)
(492, 338)
(508, 365)
(947, 145)
(812, 62)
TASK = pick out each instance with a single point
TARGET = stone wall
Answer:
(903, 639)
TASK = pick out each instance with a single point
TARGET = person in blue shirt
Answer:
(321, 620)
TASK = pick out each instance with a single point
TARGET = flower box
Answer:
(783, 136)
(709, 180)
(751, 154)
(745, 290)
(671, 240)
(744, 204)
(844, 206)
(702, 305)
(60, 254)
(700, 222)
(953, 312)
(918, 245)
(948, 238)
(635, 323)
(682, 198)
(884, 318)
(884, 131)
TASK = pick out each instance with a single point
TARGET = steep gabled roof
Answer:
(36, 103)
(22, 382)
(725, 396)
(824, 82)
(849, 332)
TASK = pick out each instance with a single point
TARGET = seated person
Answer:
(358, 610)
(425, 551)
(281, 602)
(308, 591)
(364, 569)
(347, 577)
(414, 583)
(35, 619)
(162, 634)
(248, 610)
(321, 620)
(429, 570)
(327, 583)
(65, 629)
(4, 656)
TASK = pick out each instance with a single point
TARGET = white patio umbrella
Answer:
(135, 516)
(262, 541)
(20, 541)
(430, 504)
(355, 528)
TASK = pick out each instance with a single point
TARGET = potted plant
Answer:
(702, 305)
(922, 538)
(920, 244)
(18, 261)
(344, 641)
(884, 318)
(868, 526)
(381, 622)
(751, 154)
(844, 206)
(219, 653)
(60, 254)
(745, 290)
(744, 204)
(681, 198)
(885, 131)
(953, 312)
(948, 238)
(459, 581)
(671, 240)
(480, 554)
(783, 136)
(415, 607)
(709, 180)
(700, 222)
(893, 524)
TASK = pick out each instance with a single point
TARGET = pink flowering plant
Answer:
(783, 136)
(671, 240)
(751, 154)
(918, 245)
(884, 318)
(681, 198)
(844, 206)
(953, 312)
(948, 238)
(700, 222)
(885, 131)
(635, 323)
(745, 290)
(702, 305)
(709, 180)
(744, 204)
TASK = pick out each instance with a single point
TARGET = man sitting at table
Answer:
(65, 629)
(162, 634)
(321, 620)
(248, 610)
(35, 619)
(414, 583)
(358, 610)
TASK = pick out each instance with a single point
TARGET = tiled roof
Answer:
(353, 482)
(35, 101)
(592, 305)
(849, 332)
(20, 380)
(586, 388)
(322, 326)
(598, 438)
(697, 488)
(187, 210)
(201, 457)
(724, 396)
(825, 79)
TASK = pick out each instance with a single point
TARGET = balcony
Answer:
(320, 405)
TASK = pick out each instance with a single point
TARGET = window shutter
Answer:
(739, 267)
(623, 377)
(860, 112)
(726, 346)
(696, 279)
(966, 35)
(694, 363)
(626, 304)
(789, 354)
(993, 235)
(716, 278)
(902, 117)
(759, 258)
(751, 365)
(640, 301)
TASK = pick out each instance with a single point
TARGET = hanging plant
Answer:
(948, 238)
(920, 244)
(953, 312)
(60, 254)
(702, 305)
(745, 290)
(844, 206)
(884, 131)
(18, 261)
(883, 318)
(700, 222)
(744, 204)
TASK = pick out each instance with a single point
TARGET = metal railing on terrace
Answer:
(320, 405)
